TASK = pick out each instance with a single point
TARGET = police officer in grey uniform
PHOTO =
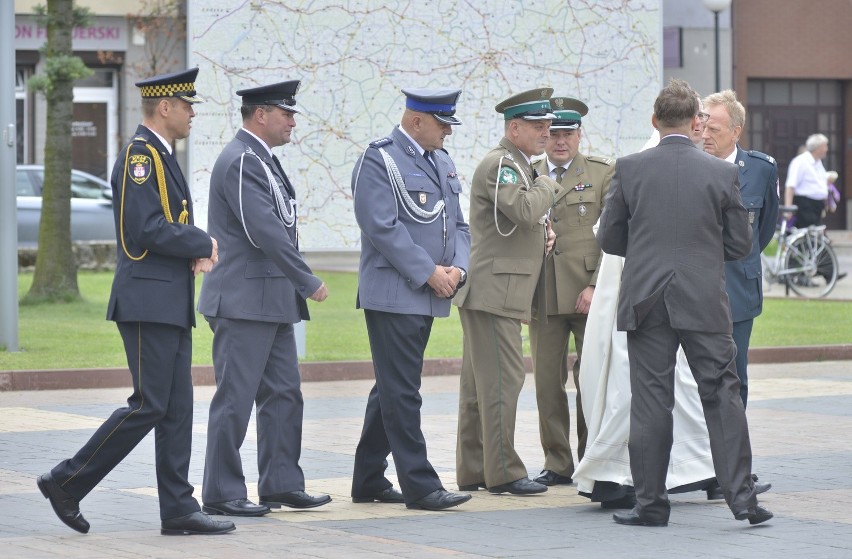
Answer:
(251, 302)
(414, 256)
(151, 301)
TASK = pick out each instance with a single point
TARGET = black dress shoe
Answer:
(626, 502)
(439, 499)
(523, 486)
(549, 477)
(389, 495)
(195, 523)
(754, 516)
(66, 507)
(633, 518)
(237, 507)
(294, 500)
(714, 492)
(472, 487)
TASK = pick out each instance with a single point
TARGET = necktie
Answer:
(283, 177)
(559, 172)
(428, 156)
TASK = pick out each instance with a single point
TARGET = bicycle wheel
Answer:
(812, 266)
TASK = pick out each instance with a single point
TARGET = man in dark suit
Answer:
(152, 304)
(251, 301)
(676, 215)
(414, 256)
(758, 176)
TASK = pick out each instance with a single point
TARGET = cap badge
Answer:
(559, 103)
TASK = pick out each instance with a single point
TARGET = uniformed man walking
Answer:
(414, 255)
(152, 304)
(509, 240)
(251, 301)
(571, 273)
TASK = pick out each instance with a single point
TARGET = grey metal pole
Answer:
(718, 72)
(8, 203)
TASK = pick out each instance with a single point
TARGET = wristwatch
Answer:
(462, 276)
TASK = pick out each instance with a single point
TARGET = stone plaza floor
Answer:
(801, 428)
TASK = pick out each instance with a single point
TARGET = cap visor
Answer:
(192, 99)
(548, 116)
(290, 108)
(451, 120)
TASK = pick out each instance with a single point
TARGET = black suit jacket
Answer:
(153, 277)
(675, 214)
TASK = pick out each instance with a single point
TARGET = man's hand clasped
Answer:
(203, 265)
(444, 281)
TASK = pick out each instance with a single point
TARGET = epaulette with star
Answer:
(760, 155)
(381, 142)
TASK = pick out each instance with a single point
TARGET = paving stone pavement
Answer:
(800, 417)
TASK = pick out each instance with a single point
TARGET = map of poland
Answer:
(353, 57)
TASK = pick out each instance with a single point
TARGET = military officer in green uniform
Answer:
(508, 207)
(570, 273)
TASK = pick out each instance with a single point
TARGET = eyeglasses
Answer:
(703, 117)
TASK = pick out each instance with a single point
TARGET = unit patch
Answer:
(139, 168)
(507, 175)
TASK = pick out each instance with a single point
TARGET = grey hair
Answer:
(815, 141)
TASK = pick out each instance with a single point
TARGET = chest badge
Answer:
(582, 210)
(422, 198)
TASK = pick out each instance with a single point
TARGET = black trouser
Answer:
(159, 357)
(809, 212)
(392, 419)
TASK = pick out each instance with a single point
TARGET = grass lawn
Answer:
(76, 335)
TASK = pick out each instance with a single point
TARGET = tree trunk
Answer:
(55, 276)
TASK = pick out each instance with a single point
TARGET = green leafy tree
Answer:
(55, 276)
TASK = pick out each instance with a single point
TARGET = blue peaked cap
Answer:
(440, 103)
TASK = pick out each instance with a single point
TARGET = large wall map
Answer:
(354, 56)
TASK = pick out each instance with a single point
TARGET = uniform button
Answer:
(268, 272)
(557, 251)
(555, 219)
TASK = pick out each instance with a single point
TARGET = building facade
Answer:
(790, 66)
(123, 42)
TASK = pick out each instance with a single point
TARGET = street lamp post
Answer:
(717, 6)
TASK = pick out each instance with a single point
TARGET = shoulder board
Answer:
(141, 139)
(599, 159)
(381, 142)
(761, 155)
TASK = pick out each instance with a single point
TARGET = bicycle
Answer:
(803, 261)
